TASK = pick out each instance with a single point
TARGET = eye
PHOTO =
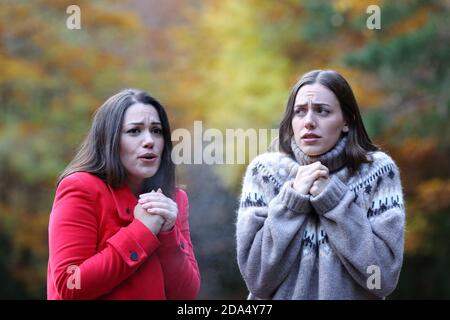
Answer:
(300, 111)
(156, 130)
(321, 110)
(134, 131)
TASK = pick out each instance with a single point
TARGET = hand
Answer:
(307, 175)
(318, 186)
(156, 203)
(154, 223)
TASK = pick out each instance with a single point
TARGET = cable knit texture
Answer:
(332, 246)
(333, 159)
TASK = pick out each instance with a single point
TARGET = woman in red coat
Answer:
(118, 227)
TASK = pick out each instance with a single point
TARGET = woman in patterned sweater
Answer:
(322, 218)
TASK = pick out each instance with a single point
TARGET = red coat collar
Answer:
(125, 201)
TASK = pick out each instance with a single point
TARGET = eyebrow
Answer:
(315, 104)
(142, 123)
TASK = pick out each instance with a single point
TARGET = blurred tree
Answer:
(409, 56)
(51, 80)
(212, 228)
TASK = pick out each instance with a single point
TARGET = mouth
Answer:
(148, 157)
(310, 138)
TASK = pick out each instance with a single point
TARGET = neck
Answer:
(135, 186)
(333, 159)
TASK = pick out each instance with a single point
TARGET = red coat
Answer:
(97, 250)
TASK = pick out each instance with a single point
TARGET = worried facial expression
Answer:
(141, 143)
(318, 120)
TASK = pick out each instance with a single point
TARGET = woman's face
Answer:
(318, 119)
(141, 143)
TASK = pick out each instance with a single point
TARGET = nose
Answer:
(310, 122)
(148, 141)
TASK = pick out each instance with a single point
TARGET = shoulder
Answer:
(276, 163)
(82, 178)
(381, 173)
(82, 182)
(381, 158)
(267, 173)
(381, 164)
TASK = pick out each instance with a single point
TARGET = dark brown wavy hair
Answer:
(99, 152)
(359, 143)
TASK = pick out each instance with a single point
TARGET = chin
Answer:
(311, 151)
(149, 175)
(145, 174)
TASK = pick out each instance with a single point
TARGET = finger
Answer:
(146, 194)
(316, 183)
(159, 204)
(152, 192)
(155, 194)
(154, 204)
(163, 204)
(315, 165)
(319, 166)
(138, 209)
(320, 180)
(322, 173)
(160, 211)
(309, 169)
(166, 214)
(316, 174)
(325, 169)
(154, 197)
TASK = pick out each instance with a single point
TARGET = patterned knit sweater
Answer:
(332, 246)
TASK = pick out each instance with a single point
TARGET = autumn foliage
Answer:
(231, 64)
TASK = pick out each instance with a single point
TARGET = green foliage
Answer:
(375, 121)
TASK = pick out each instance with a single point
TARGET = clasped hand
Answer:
(156, 211)
(311, 179)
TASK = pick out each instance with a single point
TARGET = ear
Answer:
(345, 128)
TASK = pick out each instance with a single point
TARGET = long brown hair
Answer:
(359, 143)
(99, 152)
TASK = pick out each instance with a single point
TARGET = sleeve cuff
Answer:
(169, 239)
(134, 243)
(172, 241)
(294, 200)
(330, 196)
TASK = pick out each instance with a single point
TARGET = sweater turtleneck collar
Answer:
(334, 159)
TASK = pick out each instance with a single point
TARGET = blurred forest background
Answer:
(231, 64)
